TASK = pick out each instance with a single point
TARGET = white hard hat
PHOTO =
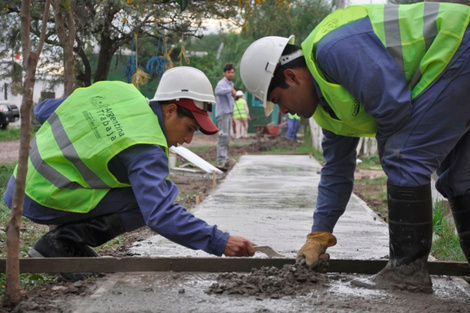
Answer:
(239, 93)
(190, 88)
(184, 82)
(259, 63)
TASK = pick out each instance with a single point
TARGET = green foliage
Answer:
(298, 18)
(183, 3)
(27, 281)
(5, 172)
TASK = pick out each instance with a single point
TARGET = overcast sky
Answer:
(214, 26)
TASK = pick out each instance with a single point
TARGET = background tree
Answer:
(30, 61)
(106, 31)
(256, 19)
(105, 27)
(65, 27)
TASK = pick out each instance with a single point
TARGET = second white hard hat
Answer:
(184, 82)
(258, 64)
(189, 87)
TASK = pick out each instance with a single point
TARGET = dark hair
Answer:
(228, 67)
(278, 79)
(181, 111)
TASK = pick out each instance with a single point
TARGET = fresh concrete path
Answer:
(270, 199)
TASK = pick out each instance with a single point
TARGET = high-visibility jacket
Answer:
(421, 38)
(68, 160)
(239, 109)
(293, 116)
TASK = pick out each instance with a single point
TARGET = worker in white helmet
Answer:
(98, 167)
(399, 73)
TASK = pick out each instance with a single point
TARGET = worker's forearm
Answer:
(336, 183)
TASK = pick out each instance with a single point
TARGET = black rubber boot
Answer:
(74, 240)
(461, 211)
(410, 231)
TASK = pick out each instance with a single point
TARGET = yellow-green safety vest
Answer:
(239, 109)
(422, 39)
(68, 160)
(293, 116)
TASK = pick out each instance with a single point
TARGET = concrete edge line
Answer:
(462, 284)
(103, 287)
(364, 205)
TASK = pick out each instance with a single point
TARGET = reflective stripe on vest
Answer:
(69, 156)
(421, 50)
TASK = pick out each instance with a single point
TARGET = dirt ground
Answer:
(9, 151)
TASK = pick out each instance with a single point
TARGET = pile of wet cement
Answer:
(270, 282)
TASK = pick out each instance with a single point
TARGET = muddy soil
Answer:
(9, 151)
(330, 292)
(269, 282)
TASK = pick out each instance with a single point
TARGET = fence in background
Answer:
(366, 147)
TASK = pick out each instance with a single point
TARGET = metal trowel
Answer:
(270, 252)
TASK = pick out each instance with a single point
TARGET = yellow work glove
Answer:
(312, 254)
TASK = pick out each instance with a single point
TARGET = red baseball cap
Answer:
(199, 110)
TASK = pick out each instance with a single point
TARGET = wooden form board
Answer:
(146, 264)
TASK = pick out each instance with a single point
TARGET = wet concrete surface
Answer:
(270, 200)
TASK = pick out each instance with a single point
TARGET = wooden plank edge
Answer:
(181, 264)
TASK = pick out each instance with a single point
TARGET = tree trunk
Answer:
(104, 59)
(64, 21)
(83, 76)
(30, 61)
(108, 47)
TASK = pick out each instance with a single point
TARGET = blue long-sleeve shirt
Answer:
(223, 97)
(354, 57)
(145, 167)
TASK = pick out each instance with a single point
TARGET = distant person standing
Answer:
(293, 123)
(225, 102)
(241, 114)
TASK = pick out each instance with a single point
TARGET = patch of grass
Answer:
(27, 281)
(374, 192)
(200, 150)
(5, 172)
(371, 163)
(10, 134)
(30, 232)
(446, 244)
(14, 133)
(303, 148)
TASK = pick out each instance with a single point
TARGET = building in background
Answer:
(11, 83)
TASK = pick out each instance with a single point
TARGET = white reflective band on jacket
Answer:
(422, 39)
